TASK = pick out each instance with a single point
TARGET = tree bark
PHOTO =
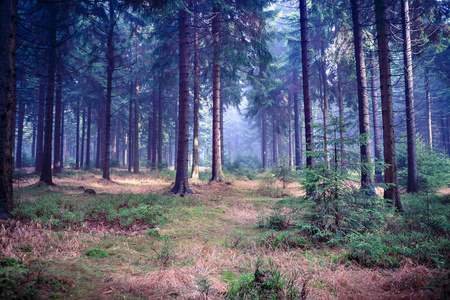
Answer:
(160, 135)
(82, 138)
(297, 129)
(155, 123)
(8, 33)
(291, 154)
(88, 137)
(274, 140)
(33, 143)
(130, 130)
(325, 106)
(363, 101)
(40, 127)
(413, 181)
(195, 168)
(263, 139)
(309, 139)
(20, 119)
(216, 159)
(376, 120)
(136, 129)
(390, 156)
(57, 137)
(62, 135)
(428, 98)
(99, 139)
(46, 174)
(77, 134)
(181, 180)
(109, 71)
(149, 140)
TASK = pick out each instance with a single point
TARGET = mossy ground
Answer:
(194, 249)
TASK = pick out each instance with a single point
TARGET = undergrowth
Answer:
(60, 211)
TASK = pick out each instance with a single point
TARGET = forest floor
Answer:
(82, 246)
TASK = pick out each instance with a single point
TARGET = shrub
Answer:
(263, 283)
(97, 253)
(244, 165)
(124, 209)
(433, 168)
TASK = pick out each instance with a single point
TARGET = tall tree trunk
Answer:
(291, 154)
(195, 169)
(222, 145)
(8, 25)
(413, 181)
(136, 129)
(390, 155)
(176, 138)
(46, 174)
(57, 137)
(82, 138)
(306, 89)
(77, 134)
(297, 129)
(428, 97)
(130, 130)
(155, 123)
(160, 135)
(40, 127)
(109, 78)
(341, 117)
(20, 119)
(363, 101)
(33, 143)
(263, 139)
(325, 106)
(149, 140)
(376, 120)
(99, 140)
(274, 141)
(88, 137)
(181, 179)
(216, 160)
(62, 135)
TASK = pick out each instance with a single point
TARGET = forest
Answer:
(224, 149)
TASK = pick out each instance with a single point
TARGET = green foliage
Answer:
(433, 168)
(61, 211)
(244, 165)
(96, 253)
(266, 282)
(13, 280)
(164, 248)
(334, 207)
(422, 234)
(284, 172)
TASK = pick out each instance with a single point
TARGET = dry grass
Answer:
(41, 243)
(201, 258)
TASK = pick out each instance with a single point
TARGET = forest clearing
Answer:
(84, 246)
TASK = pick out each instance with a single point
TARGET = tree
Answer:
(216, 160)
(195, 169)
(363, 101)
(391, 191)
(309, 140)
(376, 119)
(57, 138)
(413, 185)
(181, 180)
(46, 174)
(109, 78)
(8, 19)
